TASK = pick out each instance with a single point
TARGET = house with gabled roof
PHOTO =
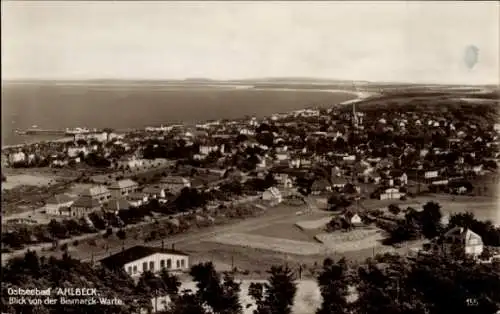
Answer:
(154, 191)
(55, 204)
(459, 240)
(139, 259)
(123, 188)
(84, 206)
(272, 194)
(98, 192)
(353, 218)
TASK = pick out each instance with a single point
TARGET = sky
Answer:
(421, 42)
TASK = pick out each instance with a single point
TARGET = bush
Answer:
(109, 232)
(121, 234)
(394, 209)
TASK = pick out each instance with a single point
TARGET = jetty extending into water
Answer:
(37, 131)
(67, 132)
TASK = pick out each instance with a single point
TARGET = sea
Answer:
(126, 106)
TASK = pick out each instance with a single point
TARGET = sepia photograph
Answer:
(250, 157)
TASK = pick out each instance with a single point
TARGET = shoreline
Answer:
(360, 95)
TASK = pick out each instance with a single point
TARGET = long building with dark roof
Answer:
(139, 259)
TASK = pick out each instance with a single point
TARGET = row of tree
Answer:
(384, 284)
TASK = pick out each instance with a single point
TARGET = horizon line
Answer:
(319, 79)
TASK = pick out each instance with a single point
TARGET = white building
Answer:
(478, 169)
(404, 179)
(17, 157)
(139, 259)
(136, 199)
(154, 191)
(272, 194)
(283, 180)
(355, 220)
(430, 174)
(349, 158)
(281, 156)
(55, 204)
(246, 131)
(462, 239)
(130, 162)
(206, 149)
(74, 151)
(391, 194)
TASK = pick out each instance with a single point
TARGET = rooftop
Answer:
(95, 191)
(123, 184)
(134, 253)
(60, 199)
(86, 202)
(174, 180)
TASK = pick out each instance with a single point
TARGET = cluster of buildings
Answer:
(119, 195)
(346, 150)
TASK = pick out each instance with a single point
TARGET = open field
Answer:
(270, 243)
(351, 241)
(284, 230)
(14, 181)
(313, 224)
(256, 243)
(253, 260)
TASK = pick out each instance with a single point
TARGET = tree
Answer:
(97, 221)
(394, 209)
(121, 234)
(430, 220)
(149, 283)
(57, 230)
(171, 283)
(279, 292)
(333, 284)
(404, 231)
(338, 202)
(187, 303)
(222, 297)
